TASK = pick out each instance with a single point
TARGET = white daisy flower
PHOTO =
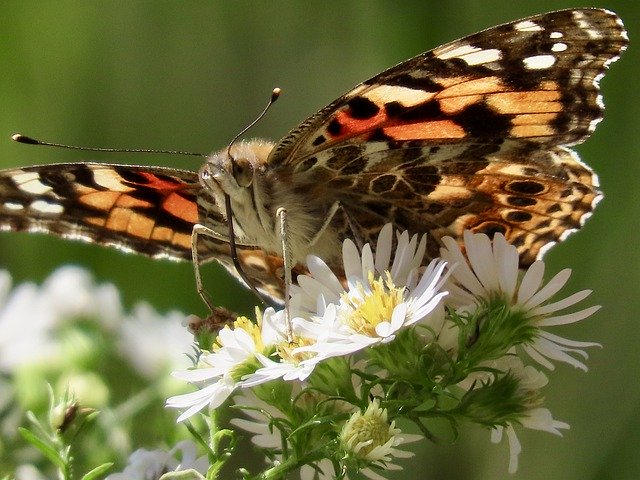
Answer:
(287, 360)
(371, 438)
(489, 272)
(221, 371)
(530, 381)
(286, 363)
(152, 464)
(380, 298)
(30, 315)
(322, 286)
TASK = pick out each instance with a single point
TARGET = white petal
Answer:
(323, 273)
(427, 308)
(384, 329)
(399, 316)
(430, 278)
(531, 281)
(514, 449)
(533, 353)
(480, 257)
(569, 317)
(561, 304)
(459, 268)
(367, 262)
(507, 260)
(541, 419)
(549, 290)
(556, 352)
(402, 258)
(313, 289)
(420, 251)
(383, 248)
(567, 342)
(351, 259)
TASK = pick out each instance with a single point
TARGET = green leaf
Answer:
(97, 472)
(47, 450)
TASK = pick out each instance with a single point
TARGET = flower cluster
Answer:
(328, 384)
(76, 336)
(364, 361)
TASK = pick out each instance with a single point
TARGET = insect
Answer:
(471, 135)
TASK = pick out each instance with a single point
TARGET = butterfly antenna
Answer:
(18, 137)
(274, 96)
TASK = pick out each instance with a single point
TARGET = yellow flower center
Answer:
(371, 430)
(364, 433)
(285, 350)
(253, 329)
(373, 307)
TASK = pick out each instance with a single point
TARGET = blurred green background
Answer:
(190, 75)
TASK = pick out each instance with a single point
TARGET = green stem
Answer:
(280, 471)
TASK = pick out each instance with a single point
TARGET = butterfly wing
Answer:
(470, 135)
(148, 210)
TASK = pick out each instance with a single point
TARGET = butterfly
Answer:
(471, 135)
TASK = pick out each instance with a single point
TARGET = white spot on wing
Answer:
(539, 62)
(528, 26)
(559, 47)
(556, 35)
(13, 206)
(110, 180)
(483, 56)
(586, 25)
(406, 96)
(472, 55)
(456, 52)
(30, 182)
(46, 207)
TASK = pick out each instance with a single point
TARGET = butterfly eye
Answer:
(242, 171)
(205, 174)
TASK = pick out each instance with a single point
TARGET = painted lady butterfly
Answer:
(471, 135)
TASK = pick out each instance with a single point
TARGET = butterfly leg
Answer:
(200, 230)
(355, 230)
(355, 235)
(332, 213)
(281, 214)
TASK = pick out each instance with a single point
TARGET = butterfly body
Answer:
(258, 191)
(474, 134)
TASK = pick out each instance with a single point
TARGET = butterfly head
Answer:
(233, 170)
(235, 173)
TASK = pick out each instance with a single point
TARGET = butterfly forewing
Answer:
(149, 210)
(480, 88)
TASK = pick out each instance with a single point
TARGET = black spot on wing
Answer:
(527, 187)
(362, 108)
(334, 128)
(479, 121)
